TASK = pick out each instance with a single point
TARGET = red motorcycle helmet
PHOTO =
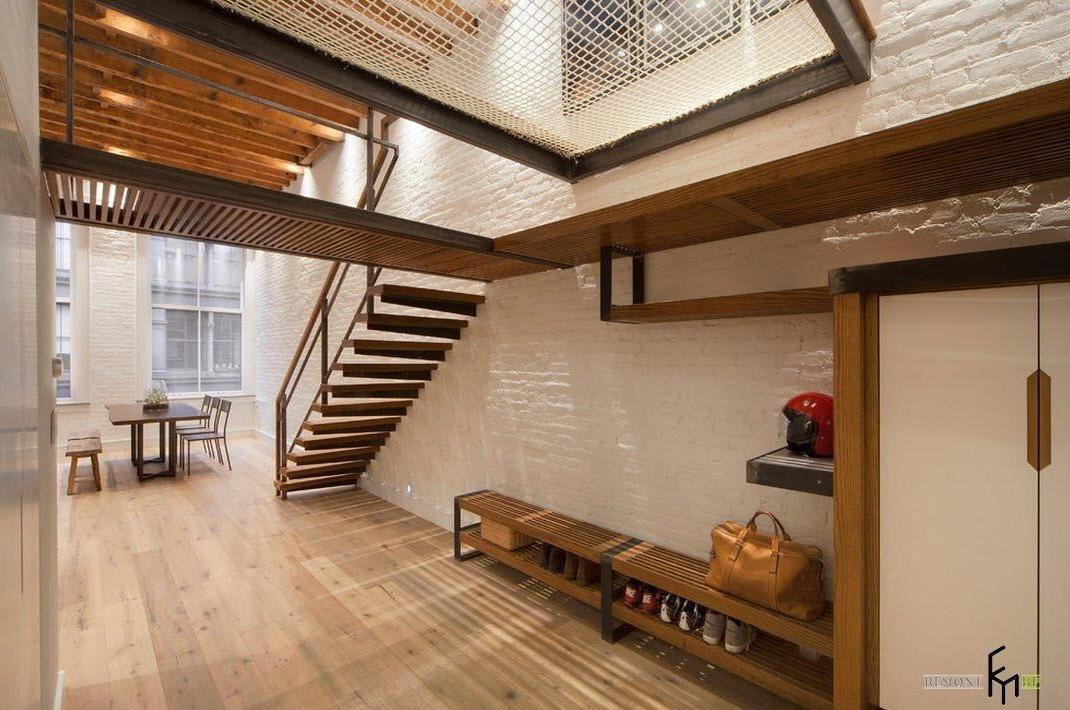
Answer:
(809, 418)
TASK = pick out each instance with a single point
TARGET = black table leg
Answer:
(163, 442)
(140, 451)
(172, 448)
(133, 443)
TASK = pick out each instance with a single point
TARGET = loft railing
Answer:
(316, 335)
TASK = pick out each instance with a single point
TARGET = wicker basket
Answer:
(503, 535)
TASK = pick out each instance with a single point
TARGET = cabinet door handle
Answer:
(1038, 420)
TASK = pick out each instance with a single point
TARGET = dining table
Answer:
(136, 416)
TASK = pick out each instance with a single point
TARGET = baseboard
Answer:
(57, 700)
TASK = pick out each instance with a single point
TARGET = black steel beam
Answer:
(88, 162)
(999, 267)
(217, 27)
(848, 35)
(779, 92)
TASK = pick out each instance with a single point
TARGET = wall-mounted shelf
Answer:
(748, 305)
(784, 469)
(773, 661)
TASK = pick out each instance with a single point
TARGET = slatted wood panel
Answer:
(686, 576)
(1021, 138)
(749, 305)
(586, 540)
(113, 203)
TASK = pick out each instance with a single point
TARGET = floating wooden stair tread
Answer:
(584, 539)
(447, 301)
(398, 370)
(686, 576)
(350, 409)
(770, 662)
(376, 389)
(749, 305)
(414, 349)
(415, 325)
(305, 484)
(337, 441)
(526, 560)
(350, 425)
(350, 453)
(325, 469)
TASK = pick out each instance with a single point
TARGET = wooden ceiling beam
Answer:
(451, 12)
(401, 22)
(210, 151)
(119, 117)
(50, 131)
(166, 119)
(53, 50)
(154, 150)
(117, 24)
(229, 79)
(134, 94)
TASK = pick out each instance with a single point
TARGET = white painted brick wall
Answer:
(646, 428)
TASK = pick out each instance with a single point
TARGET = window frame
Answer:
(78, 302)
(147, 308)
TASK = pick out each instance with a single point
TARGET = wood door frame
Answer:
(856, 389)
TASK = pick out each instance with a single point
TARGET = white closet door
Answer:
(958, 498)
(1055, 503)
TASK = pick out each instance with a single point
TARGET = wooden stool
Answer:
(80, 445)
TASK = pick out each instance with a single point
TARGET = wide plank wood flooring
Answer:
(209, 591)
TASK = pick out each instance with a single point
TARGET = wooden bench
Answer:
(80, 445)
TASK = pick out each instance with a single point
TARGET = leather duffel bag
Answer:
(769, 570)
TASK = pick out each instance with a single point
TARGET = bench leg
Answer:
(73, 475)
(96, 471)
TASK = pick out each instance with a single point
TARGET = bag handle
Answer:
(778, 527)
(779, 533)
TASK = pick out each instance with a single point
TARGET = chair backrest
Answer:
(214, 411)
(224, 408)
(206, 403)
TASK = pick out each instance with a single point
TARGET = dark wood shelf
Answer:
(748, 305)
(785, 469)
(526, 560)
(771, 662)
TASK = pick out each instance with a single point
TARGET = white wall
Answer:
(646, 428)
(113, 364)
(28, 639)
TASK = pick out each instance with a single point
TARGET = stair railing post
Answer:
(323, 351)
(372, 276)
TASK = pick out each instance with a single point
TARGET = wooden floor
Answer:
(210, 591)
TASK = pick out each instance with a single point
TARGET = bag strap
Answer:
(778, 527)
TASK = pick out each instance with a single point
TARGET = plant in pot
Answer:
(156, 396)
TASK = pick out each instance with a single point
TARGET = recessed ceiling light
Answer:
(700, 4)
(659, 27)
(621, 53)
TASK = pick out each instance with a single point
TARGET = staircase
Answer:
(371, 383)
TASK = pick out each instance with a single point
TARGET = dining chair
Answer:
(206, 426)
(216, 436)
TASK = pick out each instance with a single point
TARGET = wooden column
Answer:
(855, 502)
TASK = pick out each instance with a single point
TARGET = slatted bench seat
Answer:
(773, 661)
(83, 444)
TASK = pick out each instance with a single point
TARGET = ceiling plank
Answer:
(451, 12)
(53, 52)
(399, 21)
(118, 26)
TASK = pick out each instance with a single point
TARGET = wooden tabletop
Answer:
(136, 414)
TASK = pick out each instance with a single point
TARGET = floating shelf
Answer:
(785, 469)
(748, 305)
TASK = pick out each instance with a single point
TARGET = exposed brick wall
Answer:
(647, 428)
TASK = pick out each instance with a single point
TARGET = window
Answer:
(63, 308)
(196, 296)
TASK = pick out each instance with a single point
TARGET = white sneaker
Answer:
(713, 629)
(738, 636)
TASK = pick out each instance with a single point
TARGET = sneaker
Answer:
(557, 559)
(670, 608)
(713, 628)
(738, 636)
(692, 616)
(651, 601)
(633, 593)
(572, 562)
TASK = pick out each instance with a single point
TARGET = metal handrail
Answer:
(328, 294)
